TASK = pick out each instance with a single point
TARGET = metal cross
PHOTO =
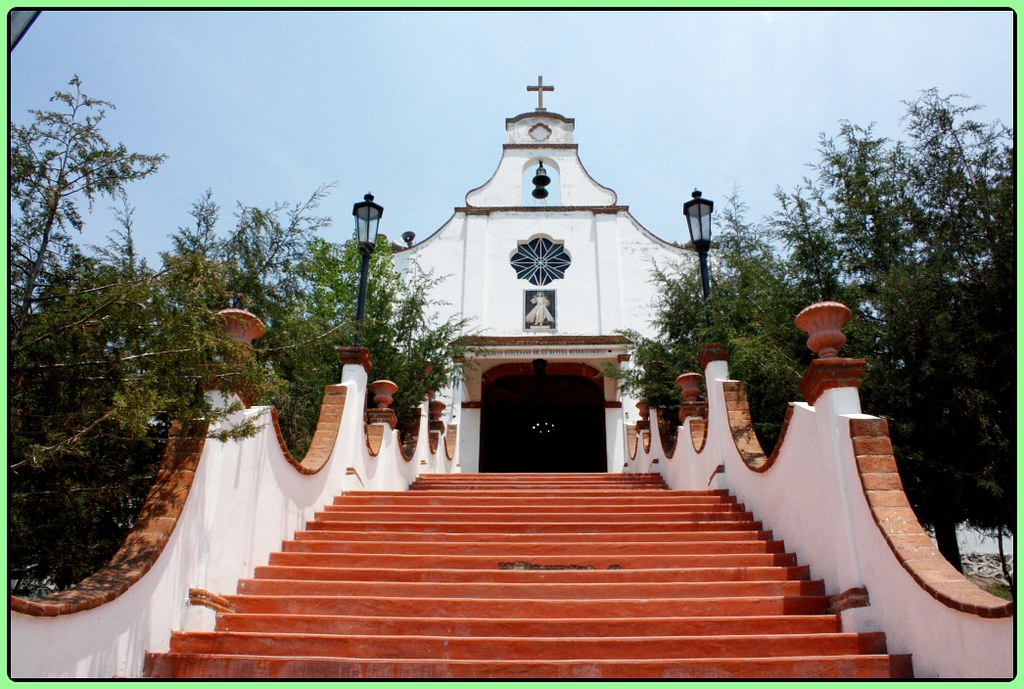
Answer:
(540, 88)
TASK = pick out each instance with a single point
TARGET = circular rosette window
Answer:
(540, 261)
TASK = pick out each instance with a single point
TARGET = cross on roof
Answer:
(540, 88)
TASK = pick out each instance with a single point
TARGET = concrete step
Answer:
(265, 667)
(528, 648)
(574, 527)
(674, 536)
(515, 517)
(526, 572)
(480, 626)
(470, 499)
(529, 590)
(495, 608)
(440, 547)
(517, 576)
(540, 490)
(527, 507)
(595, 560)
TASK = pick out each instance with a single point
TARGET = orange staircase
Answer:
(531, 575)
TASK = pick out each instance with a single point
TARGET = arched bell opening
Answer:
(542, 418)
(541, 183)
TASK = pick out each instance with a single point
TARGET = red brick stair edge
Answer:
(895, 518)
(144, 543)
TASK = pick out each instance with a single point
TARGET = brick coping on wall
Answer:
(698, 434)
(741, 426)
(895, 518)
(145, 542)
(632, 438)
(324, 437)
(451, 439)
(164, 504)
(668, 441)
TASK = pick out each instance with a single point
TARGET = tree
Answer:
(113, 354)
(409, 343)
(105, 352)
(305, 288)
(753, 307)
(922, 234)
(917, 237)
(55, 162)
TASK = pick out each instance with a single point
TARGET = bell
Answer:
(541, 180)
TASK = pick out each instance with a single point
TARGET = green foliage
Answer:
(57, 161)
(106, 352)
(917, 237)
(305, 289)
(753, 308)
(113, 352)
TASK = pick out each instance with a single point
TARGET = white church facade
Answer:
(547, 283)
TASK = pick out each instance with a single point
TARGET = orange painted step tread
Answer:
(471, 500)
(519, 608)
(262, 667)
(496, 561)
(674, 536)
(529, 648)
(485, 626)
(514, 519)
(521, 571)
(708, 547)
(507, 508)
(530, 590)
(533, 527)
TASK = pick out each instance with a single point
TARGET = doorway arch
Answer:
(542, 418)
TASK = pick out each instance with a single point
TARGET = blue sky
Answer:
(266, 106)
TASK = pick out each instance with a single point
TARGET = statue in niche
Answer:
(539, 307)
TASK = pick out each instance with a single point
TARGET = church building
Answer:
(549, 267)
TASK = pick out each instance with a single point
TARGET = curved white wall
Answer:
(246, 499)
(811, 497)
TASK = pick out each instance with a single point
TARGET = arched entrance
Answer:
(542, 419)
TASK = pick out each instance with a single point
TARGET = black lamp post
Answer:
(698, 219)
(367, 215)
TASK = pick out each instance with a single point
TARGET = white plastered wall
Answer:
(246, 499)
(812, 499)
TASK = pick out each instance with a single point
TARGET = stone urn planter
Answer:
(645, 416)
(824, 322)
(242, 326)
(689, 385)
(434, 423)
(436, 410)
(383, 392)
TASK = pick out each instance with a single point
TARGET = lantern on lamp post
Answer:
(698, 219)
(367, 215)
